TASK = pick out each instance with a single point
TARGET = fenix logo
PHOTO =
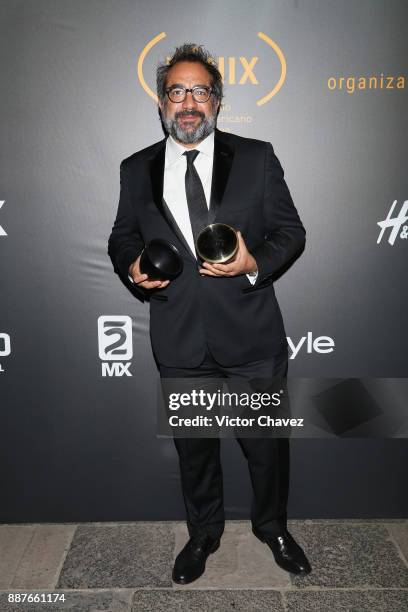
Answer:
(115, 344)
(236, 69)
(395, 224)
(321, 344)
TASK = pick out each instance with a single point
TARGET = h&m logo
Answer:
(395, 224)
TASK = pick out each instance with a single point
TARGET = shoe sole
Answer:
(212, 550)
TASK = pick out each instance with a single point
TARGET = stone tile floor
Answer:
(358, 565)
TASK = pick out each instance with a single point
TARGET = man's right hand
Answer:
(142, 279)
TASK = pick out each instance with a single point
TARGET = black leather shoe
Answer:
(287, 552)
(190, 562)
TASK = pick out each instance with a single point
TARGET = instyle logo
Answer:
(395, 224)
(2, 230)
(115, 344)
(238, 71)
(308, 344)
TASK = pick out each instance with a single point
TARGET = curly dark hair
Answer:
(190, 52)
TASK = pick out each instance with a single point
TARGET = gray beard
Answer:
(203, 130)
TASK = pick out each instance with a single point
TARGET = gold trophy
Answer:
(217, 243)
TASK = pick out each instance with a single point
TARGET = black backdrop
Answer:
(81, 446)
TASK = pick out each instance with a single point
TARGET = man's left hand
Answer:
(243, 263)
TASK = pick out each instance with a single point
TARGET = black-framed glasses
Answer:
(178, 93)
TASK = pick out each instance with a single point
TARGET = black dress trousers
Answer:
(200, 465)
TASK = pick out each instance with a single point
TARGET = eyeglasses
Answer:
(200, 93)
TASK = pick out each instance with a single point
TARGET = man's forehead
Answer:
(187, 72)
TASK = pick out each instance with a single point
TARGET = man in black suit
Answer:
(214, 320)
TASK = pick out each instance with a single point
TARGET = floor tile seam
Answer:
(311, 589)
(284, 600)
(397, 546)
(281, 589)
(376, 521)
(63, 558)
(98, 589)
(44, 524)
(361, 589)
(22, 554)
(181, 522)
(90, 523)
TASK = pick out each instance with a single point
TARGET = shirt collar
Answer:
(174, 150)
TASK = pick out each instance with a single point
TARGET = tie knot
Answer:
(191, 155)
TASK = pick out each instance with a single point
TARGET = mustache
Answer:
(186, 113)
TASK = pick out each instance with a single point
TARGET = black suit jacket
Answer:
(240, 322)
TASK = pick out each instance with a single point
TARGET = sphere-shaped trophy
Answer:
(161, 260)
(217, 243)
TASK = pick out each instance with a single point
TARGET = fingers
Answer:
(143, 281)
(224, 269)
(241, 241)
(205, 272)
(154, 284)
(218, 269)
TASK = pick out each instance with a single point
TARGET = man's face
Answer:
(189, 121)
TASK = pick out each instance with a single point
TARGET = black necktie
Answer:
(197, 204)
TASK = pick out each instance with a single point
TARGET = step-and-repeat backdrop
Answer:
(325, 82)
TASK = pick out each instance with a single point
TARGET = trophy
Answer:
(161, 260)
(217, 243)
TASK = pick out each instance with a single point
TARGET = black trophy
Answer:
(217, 243)
(161, 260)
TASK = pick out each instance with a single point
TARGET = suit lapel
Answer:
(223, 157)
(157, 180)
(157, 176)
